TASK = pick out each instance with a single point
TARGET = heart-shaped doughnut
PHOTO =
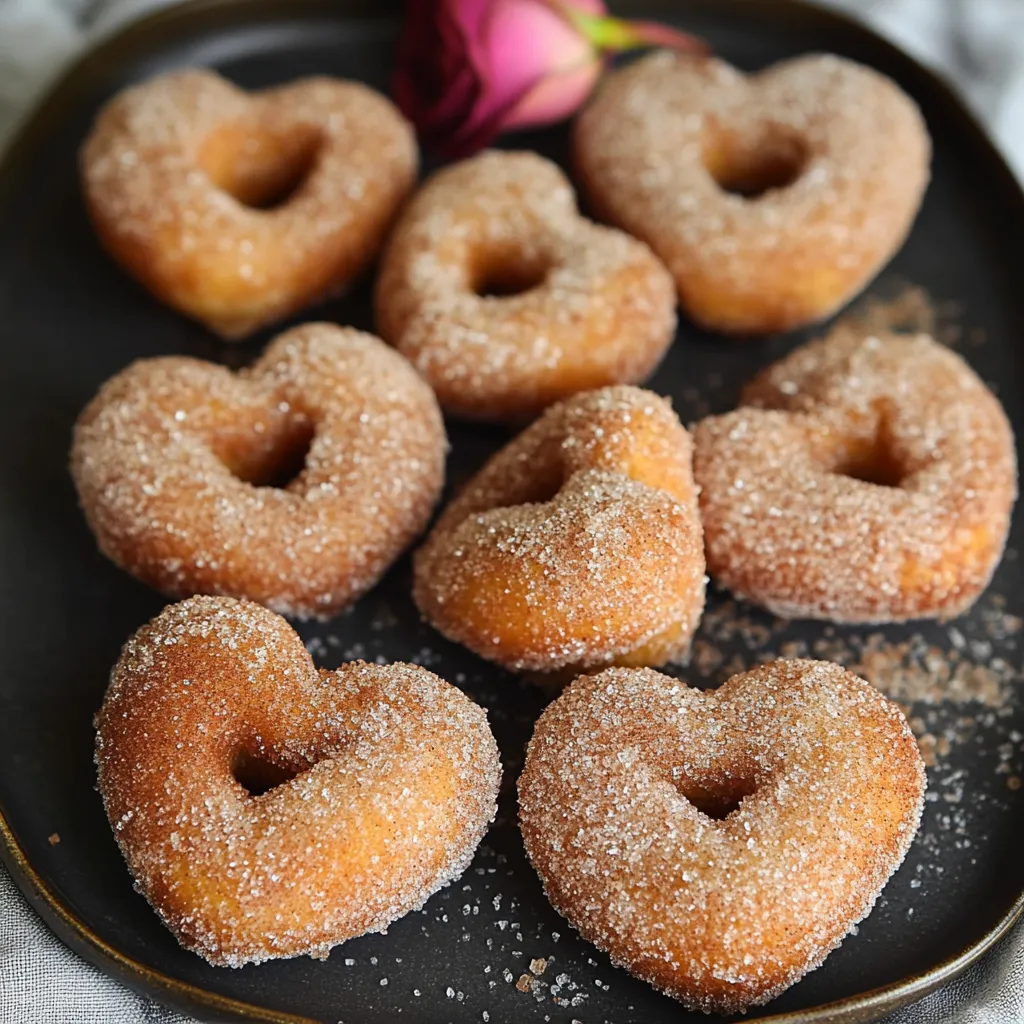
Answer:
(773, 198)
(266, 809)
(865, 478)
(295, 482)
(578, 544)
(507, 300)
(719, 845)
(238, 208)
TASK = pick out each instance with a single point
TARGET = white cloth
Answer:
(43, 982)
(978, 43)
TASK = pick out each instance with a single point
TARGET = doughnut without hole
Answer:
(578, 544)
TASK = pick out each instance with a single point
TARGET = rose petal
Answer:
(468, 68)
(475, 133)
(526, 41)
(555, 97)
(436, 83)
(590, 6)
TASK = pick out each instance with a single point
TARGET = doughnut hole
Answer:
(260, 169)
(877, 465)
(872, 460)
(717, 798)
(749, 165)
(256, 774)
(273, 456)
(719, 804)
(504, 270)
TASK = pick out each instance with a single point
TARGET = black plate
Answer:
(69, 319)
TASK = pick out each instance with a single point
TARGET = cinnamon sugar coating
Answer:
(391, 779)
(720, 844)
(578, 306)
(175, 457)
(578, 544)
(177, 172)
(772, 198)
(864, 479)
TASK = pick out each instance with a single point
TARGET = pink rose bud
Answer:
(470, 69)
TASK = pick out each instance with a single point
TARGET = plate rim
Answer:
(31, 131)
